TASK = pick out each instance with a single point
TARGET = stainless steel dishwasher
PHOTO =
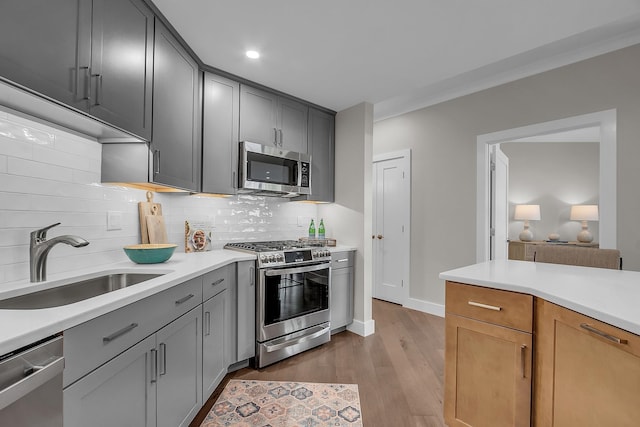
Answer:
(31, 385)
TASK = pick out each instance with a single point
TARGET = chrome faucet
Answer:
(39, 249)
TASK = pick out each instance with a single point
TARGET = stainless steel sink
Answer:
(76, 291)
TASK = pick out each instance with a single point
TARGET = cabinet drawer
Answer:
(510, 309)
(90, 344)
(216, 281)
(341, 259)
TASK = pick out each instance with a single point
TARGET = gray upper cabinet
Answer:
(220, 134)
(176, 142)
(39, 46)
(273, 120)
(121, 65)
(95, 56)
(322, 149)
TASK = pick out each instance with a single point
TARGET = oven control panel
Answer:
(292, 257)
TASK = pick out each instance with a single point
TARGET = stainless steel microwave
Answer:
(272, 171)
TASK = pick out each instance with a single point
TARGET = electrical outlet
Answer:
(114, 220)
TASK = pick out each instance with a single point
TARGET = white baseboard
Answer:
(425, 306)
(363, 329)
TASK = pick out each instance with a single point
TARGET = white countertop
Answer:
(611, 296)
(22, 327)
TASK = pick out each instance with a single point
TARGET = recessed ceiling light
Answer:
(253, 54)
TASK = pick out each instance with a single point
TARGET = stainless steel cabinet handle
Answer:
(163, 358)
(217, 282)
(40, 375)
(116, 334)
(342, 260)
(184, 299)
(488, 307)
(603, 334)
(234, 183)
(275, 137)
(280, 137)
(87, 83)
(523, 358)
(252, 276)
(154, 365)
(156, 160)
(98, 88)
(207, 323)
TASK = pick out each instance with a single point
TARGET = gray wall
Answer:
(554, 176)
(443, 140)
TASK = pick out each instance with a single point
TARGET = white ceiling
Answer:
(399, 55)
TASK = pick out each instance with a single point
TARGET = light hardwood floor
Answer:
(399, 369)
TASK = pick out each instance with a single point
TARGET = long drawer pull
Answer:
(217, 282)
(488, 307)
(184, 299)
(342, 260)
(603, 334)
(113, 336)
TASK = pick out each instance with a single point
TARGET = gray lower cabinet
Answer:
(269, 119)
(220, 117)
(157, 382)
(246, 311)
(176, 141)
(341, 304)
(73, 52)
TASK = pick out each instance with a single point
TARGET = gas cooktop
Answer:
(282, 252)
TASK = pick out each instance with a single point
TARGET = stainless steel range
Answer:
(292, 297)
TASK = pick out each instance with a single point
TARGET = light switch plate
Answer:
(114, 220)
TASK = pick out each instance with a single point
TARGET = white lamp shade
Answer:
(584, 213)
(527, 212)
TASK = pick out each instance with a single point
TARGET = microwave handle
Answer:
(297, 173)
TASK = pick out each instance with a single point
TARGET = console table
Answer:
(523, 251)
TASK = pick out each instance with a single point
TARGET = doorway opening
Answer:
(604, 120)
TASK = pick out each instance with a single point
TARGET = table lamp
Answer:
(584, 213)
(526, 213)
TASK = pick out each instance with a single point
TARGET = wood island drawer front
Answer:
(505, 308)
(216, 281)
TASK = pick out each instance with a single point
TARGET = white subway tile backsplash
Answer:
(22, 167)
(60, 182)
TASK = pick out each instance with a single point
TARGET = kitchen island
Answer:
(541, 344)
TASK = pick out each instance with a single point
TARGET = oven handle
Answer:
(304, 269)
(279, 346)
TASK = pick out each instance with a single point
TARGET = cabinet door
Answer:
(220, 135)
(292, 125)
(587, 372)
(121, 64)
(121, 392)
(258, 116)
(214, 342)
(322, 149)
(341, 297)
(179, 391)
(39, 46)
(176, 143)
(487, 374)
(246, 310)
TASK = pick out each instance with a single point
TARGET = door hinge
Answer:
(492, 231)
(402, 283)
(493, 166)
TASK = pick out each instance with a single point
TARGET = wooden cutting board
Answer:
(146, 209)
(156, 227)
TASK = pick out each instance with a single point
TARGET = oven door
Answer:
(292, 299)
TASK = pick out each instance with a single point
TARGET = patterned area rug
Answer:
(285, 404)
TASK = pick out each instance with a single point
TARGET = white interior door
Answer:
(499, 203)
(392, 213)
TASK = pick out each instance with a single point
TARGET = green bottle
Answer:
(312, 230)
(321, 229)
